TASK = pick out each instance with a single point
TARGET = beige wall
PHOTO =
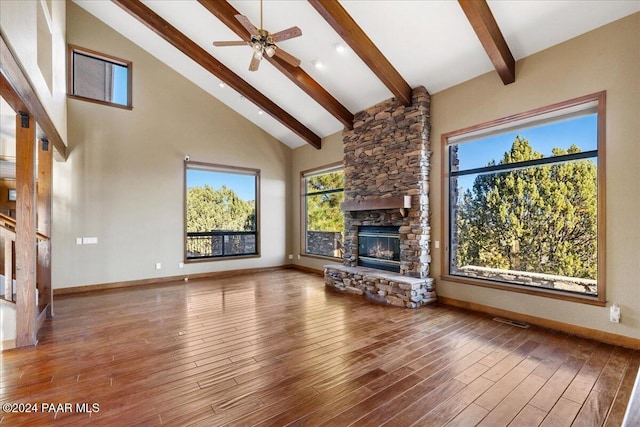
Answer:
(123, 182)
(605, 59)
(19, 23)
(304, 159)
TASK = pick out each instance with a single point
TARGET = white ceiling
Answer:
(430, 43)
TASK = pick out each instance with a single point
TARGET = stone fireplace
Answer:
(386, 167)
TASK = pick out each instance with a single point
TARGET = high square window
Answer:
(100, 78)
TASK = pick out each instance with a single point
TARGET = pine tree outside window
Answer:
(323, 220)
(526, 202)
(221, 211)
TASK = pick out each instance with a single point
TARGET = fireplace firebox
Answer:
(379, 247)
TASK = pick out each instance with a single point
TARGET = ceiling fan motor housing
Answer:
(263, 43)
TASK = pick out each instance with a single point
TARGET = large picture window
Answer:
(221, 211)
(526, 201)
(323, 221)
(100, 78)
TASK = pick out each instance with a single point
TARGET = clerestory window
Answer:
(100, 78)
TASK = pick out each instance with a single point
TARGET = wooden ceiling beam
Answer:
(487, 30)
(361, 44)
(187, 46)
(225, 12)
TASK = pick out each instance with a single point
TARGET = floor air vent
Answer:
(511, 322)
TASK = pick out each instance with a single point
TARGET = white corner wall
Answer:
(18, 21)
(7, 325)
(124, 179)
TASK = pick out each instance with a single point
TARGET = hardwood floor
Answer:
(275, 348)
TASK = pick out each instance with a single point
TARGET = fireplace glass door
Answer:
(379, 247)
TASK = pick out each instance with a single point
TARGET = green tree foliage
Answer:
(538, 219)
(218, 209)
(323, 209)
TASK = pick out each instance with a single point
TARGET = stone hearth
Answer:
(380, 286)
(386, 157)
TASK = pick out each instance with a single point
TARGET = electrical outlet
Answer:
(290, 256)
(181, 265)
(158, 266)
(614, 313)
(437, 244)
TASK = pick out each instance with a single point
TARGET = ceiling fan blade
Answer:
(230, 43)
(287, 34)
(287, 57)
(255, 63)
(247, 24)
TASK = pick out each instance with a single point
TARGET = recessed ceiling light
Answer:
(260, 111)
(317, 64)
(221, 84)
(339, 47)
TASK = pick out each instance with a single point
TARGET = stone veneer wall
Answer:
(385, 155)
(380, 286)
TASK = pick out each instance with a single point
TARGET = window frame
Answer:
(230, 170)
(333, 167)
(542, 114)
(72, 50)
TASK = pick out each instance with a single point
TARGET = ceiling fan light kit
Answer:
(262, 42)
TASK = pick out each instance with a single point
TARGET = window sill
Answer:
(546, 293)
(98, 101)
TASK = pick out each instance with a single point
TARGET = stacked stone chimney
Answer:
(386, 155)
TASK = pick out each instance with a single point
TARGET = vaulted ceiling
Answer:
(388, 46)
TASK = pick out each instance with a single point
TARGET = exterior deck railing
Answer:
(221, 243)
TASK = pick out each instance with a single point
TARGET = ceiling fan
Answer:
(264, 43)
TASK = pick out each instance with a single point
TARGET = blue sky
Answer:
(581, 131)
(243, 185)
(120, 81)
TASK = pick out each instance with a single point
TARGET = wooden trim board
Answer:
(306, 269)
(161, 280)
(581, 331)
(7, 344)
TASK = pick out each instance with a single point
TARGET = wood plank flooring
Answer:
(275, 348)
